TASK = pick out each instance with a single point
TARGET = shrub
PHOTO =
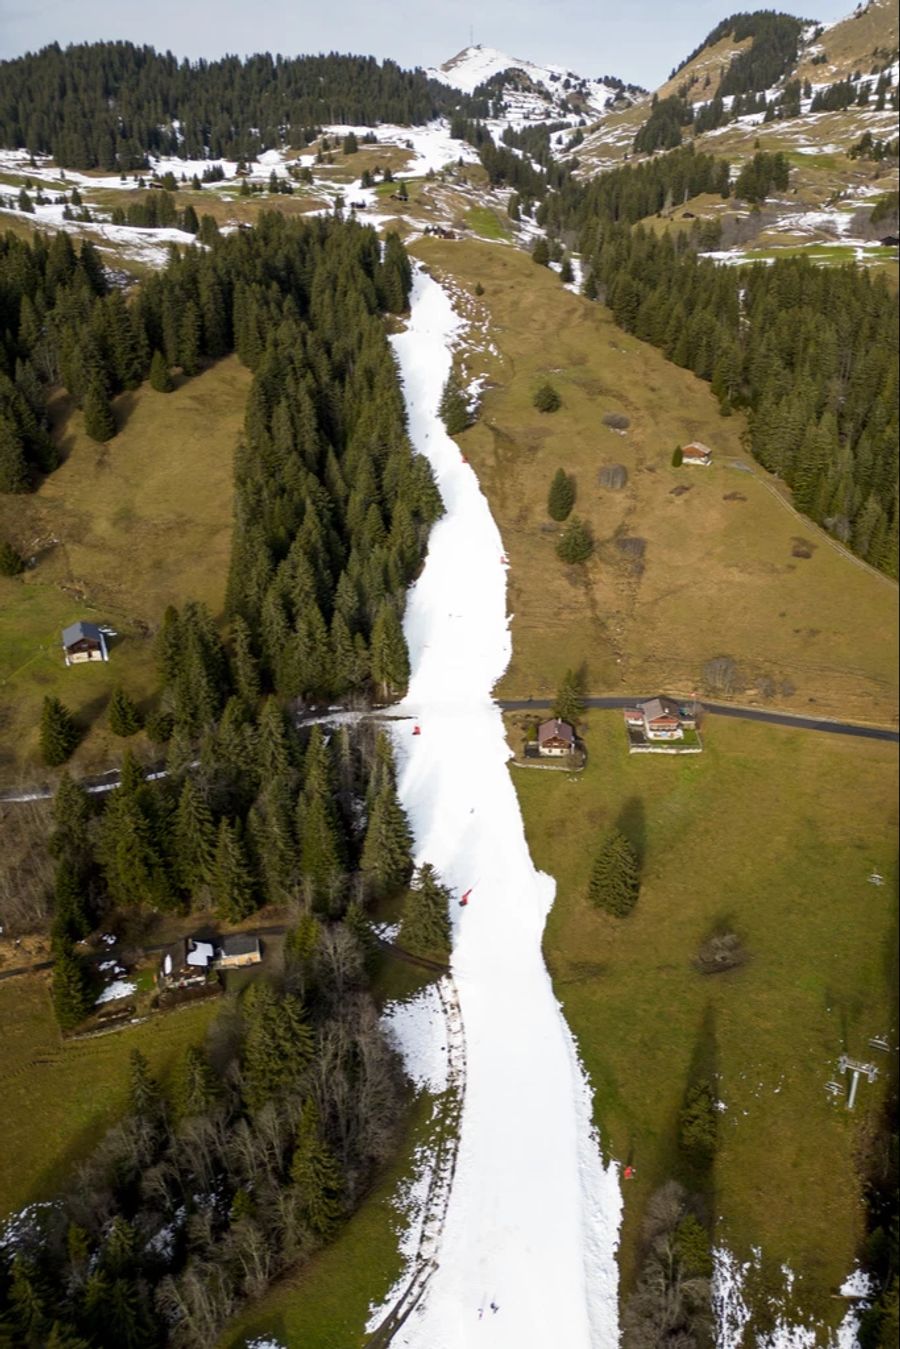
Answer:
(577, 542)
(546, 399)
(613, 477)
(677, 457)
(11, 562)
(720, 675)
(723, 951)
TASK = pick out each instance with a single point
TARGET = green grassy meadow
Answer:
(59, 1097)
(771, 833)
(118, 532)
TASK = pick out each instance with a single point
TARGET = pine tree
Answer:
(540, 253)
(386, 861)
(615, 883)
(561, 497)
(453, 408)
(232, 881)
(566, 271)
(197, 1087)
(425, 926)
(194, 839)
(160, 378)
(278, 1043)
(11, 562)
(546, 398)
(70, 919)
(569, 703)
(124, 718)
(390, 657)
(99, 422)
(315, 1172)
(70, 839)
(576, 543)
(677, 457)
(59, 734)
(144, 1096)
(71, 989)
(13, 464)
(320, 852)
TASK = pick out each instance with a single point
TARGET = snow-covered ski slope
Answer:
(533, 1218)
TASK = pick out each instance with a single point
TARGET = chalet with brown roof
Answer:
(697, 453)
(555, 738)
(661, 719)
(240, 949)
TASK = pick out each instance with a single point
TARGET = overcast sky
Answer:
(638, 40)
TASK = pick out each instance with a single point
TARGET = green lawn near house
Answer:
(771, 833)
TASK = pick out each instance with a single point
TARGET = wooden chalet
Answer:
(555, 738)
(83, 641)
(661, 719)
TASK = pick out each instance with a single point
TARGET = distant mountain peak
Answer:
(552, 84)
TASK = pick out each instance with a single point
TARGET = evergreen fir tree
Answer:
(71, 989)
(70, 839)
(144, 1096)
(232, 882)
(315, 1172)
(425, 926)
(197, 1087)
(546, 398)
(13, 464)
(160, 378)
(386, 861)
(59, 734)
(561, 497)
(11, 562)
(99, 422)
(124, 718)
(569, 703)
(390, 658)
(453, 408)
(194, 839)
(576, 543)
(540, 253)
(614, 883)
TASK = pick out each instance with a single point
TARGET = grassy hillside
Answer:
(74, 1091)
(866, 36)
(770, 833)
(727, 567)
(118, 533)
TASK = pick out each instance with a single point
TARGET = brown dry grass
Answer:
(119, 532)
(720, 576)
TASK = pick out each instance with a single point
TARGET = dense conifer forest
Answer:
(271, 1131)
(108, 105)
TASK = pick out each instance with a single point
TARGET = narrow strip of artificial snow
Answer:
(533, 1217)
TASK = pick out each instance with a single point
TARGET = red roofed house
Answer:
(697, 453)
(555, 737)
(660, 719)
